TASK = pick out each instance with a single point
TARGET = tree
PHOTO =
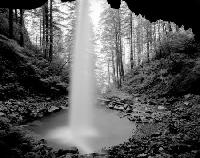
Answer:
(51, 32)
(21, 26)
(10, 22)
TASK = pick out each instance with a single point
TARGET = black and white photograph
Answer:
(100, 79)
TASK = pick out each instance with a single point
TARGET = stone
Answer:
(64, 107)
(110, 106)
(151, 102)
(161, 107)
(149, 112)
(2, 114)
(53, 109)
(70, 150)
(144, 120)
(187, 96)
(157, 134)
(116, 107)
(161, 149)
(142, 155)
(129, 110)
(8, 103)
(186, 103)
(121, 108)
(48, 99)
(125, 106)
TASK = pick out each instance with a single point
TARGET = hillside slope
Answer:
(23, 70)
(175, 70)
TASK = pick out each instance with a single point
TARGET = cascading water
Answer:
(83, 85)
(82, 98)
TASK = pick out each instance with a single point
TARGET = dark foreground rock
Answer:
(22, 111)
(175, 136)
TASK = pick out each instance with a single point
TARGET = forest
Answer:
(147, 74)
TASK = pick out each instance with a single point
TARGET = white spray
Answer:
(83, 85)
(82, 98)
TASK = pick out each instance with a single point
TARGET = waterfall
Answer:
(82, 91)
(82, 82)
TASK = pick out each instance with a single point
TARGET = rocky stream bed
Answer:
(166, 128)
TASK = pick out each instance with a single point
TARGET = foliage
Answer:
(4, 30)
(178, 42)
(173, 71)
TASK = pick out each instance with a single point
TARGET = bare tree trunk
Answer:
(36, 40)
(21, 26)
(47, 29)
(113, 68)
(51, 33)
(44, 32)
(148, 41)
(121, 61)
(16, 16)
(121, 67)
(108, 72)
(131, 40)
(40, 32)
(154, 36)
(10, 22)
(117, 57)
(138, 45)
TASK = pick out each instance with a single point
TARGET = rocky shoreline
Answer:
(23, 111)
(166, 128)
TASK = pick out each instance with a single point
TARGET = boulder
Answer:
(110, 105)
(64, 107)
(128, 109)
(187, 96)
(161, 107)
(53, 109)
(2, 114)
(125, 106)
(121, 108)
(72, 150)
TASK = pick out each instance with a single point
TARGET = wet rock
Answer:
(48, 99)
(32, 155)
(40, 115)
(121, 108)
(179, 148)
(128, 110)
(110, 105)
(142, 155)
(53, 109)
(149, 112)
(116, 107)
(4, 123)
(2, 114)
(8, 102)
(152, 102)
(161, 149)
(157, 134)
(72, 150)
(64, 107)
(144, 120)
(161, 107)
(125, 106)
(187, 96)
